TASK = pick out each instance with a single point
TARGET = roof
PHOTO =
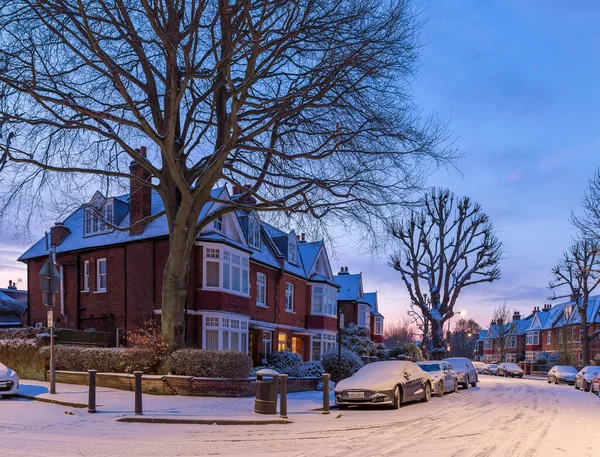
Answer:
(483, 335)
(350, 287)
(11, 308)
(371, 299)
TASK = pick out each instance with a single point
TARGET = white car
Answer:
(479, 366)
(584, 378)
(9, 382)
(442, 375)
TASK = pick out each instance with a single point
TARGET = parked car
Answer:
(562, 373)
(465, 371)
(9, 382)
(479, 366)
(392, 382)
(596, 384)
(584, 378)
(442, 375)
(490, 369)
(509, 369)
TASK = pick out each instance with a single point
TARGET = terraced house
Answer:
(252, 288)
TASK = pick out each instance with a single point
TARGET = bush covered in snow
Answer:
(285, 362)
(356, 339)
(407, 349)
(22, 333)
(104, 360)
(11, 307)
(210, 364)
(312, 369)
(350, 364)
(542, 358)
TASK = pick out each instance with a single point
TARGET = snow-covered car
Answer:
(490, 369)
(391, 382)
(584, 378)
(509, 369)
(562, 373)
(442, 375)
(9, 382)
(596, 384)
(465, 371)
(479, 366)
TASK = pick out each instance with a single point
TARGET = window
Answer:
(101, 275)
(225, 334)
(548, 337)
(488, 344)
(254, 232)
(289, 297)
(363, 316)
(96, 218)
(261, 289)
(318, 266)
(533, 338)
(324, 301)
(560, 336)
(86, 275)
(224, 269)
(574, 336)
(378, 326)
(322, 343)
(292, 252)
(268, 345)
(218, 223)
(512, 358)
(511, 341)
(282, 342)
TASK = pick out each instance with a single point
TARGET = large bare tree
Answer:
(578, 272)
(589, 222)
(502, 329)
(399, 332)
(304, 102)
(447, 245)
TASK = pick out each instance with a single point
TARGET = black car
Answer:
(392, 382)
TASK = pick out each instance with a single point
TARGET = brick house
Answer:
(513, 332)
(357, 307)
(252, 287)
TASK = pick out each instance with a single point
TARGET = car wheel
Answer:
(455, 386)
(426, 393)
(576, 386)
(548, 379)
(521, 376)
(587, 386)
(556, 381)
(474, 383)
(466, 384)
(441, 389)
(397, 398)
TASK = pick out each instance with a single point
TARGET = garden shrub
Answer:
(104, 360)
(350, 364)
(407, 349)
(312, 369)
(22, 356)
(285, 362)
(356, 339)
(209, 364)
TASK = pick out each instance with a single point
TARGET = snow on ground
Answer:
(502, 417)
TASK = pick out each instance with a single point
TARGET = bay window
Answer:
(324, 300)
(225, 333)
(533, 338)
(321, 343)
(363, 316)
(226, 269)
(378, 326)
(511, 341)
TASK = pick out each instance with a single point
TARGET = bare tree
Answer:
(578, 272)
(303, 102)
(464, 337)
(502, 328)
(402, 331)
(589, 222)
(446, 246)
(466, 326)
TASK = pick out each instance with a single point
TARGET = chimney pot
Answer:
(237, 190)
(303, 237)
(143, 151)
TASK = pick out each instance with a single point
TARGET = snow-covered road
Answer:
(502, 417)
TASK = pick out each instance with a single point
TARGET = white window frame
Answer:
(327, 295)
(292, 252)
(95, 218)
(511, 341)
(226, 325)
(226, 259)
(548, 337)
(363, 316)
(488, 344)
(289, 297)
(98, 275)
(322, 342)
(218, 224)
(86, 276)
(254, 240)
(378, 325)
(281, 343)
(261, 289)
(533, 338)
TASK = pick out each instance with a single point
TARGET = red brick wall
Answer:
(350, 311)
(322, 322)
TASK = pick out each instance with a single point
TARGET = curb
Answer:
(175, 420)
(69, 404)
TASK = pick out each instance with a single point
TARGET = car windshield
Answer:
(430, 367)
(459, 363)
(493, 365)
(563, 369)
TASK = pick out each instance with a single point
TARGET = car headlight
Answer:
(13, 374)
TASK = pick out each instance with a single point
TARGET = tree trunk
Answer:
(585, 340)
(438, 344)
(175, 278)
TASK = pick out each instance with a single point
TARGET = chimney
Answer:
(58, 233)
(248, 199)
(546, 308)
(343, 271)
(140, 196)
(303, 238)
(516, 316)
(12, 285)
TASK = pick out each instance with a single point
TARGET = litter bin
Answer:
(266, 392)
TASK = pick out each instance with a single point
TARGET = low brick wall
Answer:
(180, 385)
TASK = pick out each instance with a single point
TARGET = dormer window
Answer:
(98, 218)
(292, 254)
(254, 232)
(218, 223)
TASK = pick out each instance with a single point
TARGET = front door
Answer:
(297, 346)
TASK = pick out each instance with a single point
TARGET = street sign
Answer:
(50, 319)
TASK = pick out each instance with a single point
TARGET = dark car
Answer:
(391, 382)
(562, 373)
(442, 376)
(509, 369)
(584, 378)
(465, 371)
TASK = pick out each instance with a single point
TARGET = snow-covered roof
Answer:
(371, 299)
(11, 308)
(483, 335)
(350, 287)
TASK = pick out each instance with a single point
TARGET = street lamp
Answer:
(460, 313)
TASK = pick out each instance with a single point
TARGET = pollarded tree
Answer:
(303, 103)
(446, 246)
(578, 272)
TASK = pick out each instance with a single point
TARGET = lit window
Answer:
(86, 275)
(96, 219)
(261, 289)
(282, 342)
(292, 252)
(254, 232)
(289, 297)
(101, 275)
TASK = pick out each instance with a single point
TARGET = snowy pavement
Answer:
(502, 417)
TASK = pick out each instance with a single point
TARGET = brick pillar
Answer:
(140, 196)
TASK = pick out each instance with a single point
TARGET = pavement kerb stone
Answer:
(191, 420)
(70, 404)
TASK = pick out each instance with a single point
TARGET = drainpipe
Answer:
(125, 291)
(78, 304)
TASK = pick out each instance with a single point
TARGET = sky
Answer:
(518, 83)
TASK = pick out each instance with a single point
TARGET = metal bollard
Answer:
(138, 392)
(283, 396)
(325, 393)
(92, 392)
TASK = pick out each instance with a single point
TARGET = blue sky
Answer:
(518, 82)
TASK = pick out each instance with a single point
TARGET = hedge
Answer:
(350, 364)
(22, 356)
(209, 364)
